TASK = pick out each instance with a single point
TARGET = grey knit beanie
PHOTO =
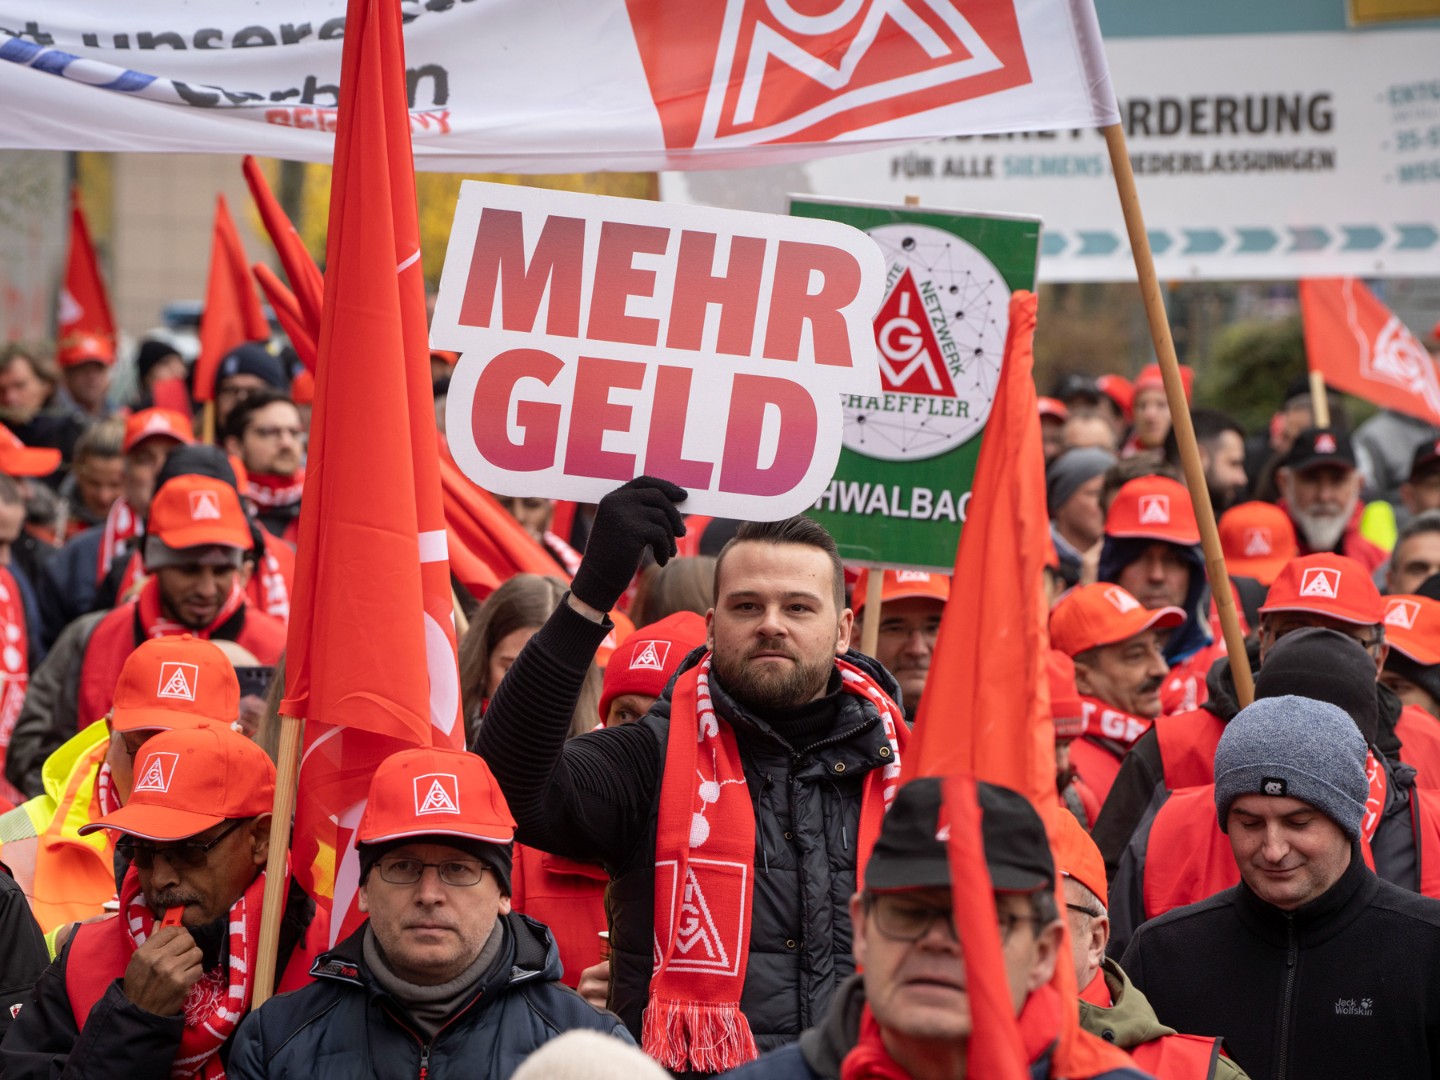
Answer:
(1309, 750)
(1071, 469)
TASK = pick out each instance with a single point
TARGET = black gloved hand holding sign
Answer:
(631, 518)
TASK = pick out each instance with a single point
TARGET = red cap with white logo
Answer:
(644, 661)
(899, 585)
(431, 791)
(175, 682)
(157, 424)
(1104, 614)
(192, 510)
(1412, 627)
(1326, 584)
(1258, 539)
(191, 779)
(1153, 508)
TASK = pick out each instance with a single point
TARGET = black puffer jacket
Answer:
(597, 796)
(343, 1026)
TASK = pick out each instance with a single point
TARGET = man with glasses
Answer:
(265, 432)
(443, 979)
(911, 603)
(908, 1012)
(159, 988)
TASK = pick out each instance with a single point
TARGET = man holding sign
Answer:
(730, 816)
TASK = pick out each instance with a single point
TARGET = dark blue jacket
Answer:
(344, 1027)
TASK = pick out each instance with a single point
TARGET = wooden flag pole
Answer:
(1179, 412)
(1319, 402)
(287, 768)
(870, 627)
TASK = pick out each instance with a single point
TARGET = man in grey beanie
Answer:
(1072, 493)
(1311, 966)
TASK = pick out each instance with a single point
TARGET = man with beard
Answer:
(194, 549)
(265, 433)
(1222, 455)
(159, 988)
(911, 603)
(1320, 489)
(742, 794)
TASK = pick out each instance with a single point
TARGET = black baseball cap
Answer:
(1074, 385)
(1320, 446)
(1427, 455)
(908, 854)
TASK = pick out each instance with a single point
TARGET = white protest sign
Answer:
(604, 338)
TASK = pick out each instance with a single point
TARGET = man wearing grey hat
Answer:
(1072, 492)
(1311, 966)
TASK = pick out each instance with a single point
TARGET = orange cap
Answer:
(624, 627)
(1326, 584)
(1412, 627)
(1119, 390)
(85, 348)
(191, 779)
(1103, 614)
(901, 585)
(17, 459)
(644, 661)
(157, 424)
(1066, 709)
(1153, 508)
(175, 682)
(1053, 408)
(1076, 856)
(1258, 539)
(191, 510)
(431, 791)
(1150, 377)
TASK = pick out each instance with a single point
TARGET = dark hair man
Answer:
(1416, 555)
(743, 787)
(442, 977)
(911, 603)
(265, 432)
(1222, 455)
(159, 988)
(909, 1013)
(194, 549)
(1311, 966)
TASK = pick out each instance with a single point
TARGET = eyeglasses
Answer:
(900, 919)
(402, 871)
(187, 854)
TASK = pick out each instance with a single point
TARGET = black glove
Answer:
(631, 518)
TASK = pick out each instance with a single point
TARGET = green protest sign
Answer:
(899, 494)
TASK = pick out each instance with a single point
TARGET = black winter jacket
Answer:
(344, 1027)
(596, 798)
(23, 955)
(1347, 985)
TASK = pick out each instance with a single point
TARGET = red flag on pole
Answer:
(306, 282)
(232, 314)
(287, 311)
(1361, 347)
(371, 664)
(85, 328)
(971, 722)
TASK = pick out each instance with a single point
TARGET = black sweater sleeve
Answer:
(1140, 773)
(589, 798)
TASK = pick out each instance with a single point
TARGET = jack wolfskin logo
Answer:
(1273, 785)
(1352, 1007)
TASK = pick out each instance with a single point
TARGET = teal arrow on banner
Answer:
(1309, 238)
(1052, 243)
(1098, 243)
(1362, 237)
(1160, 242)
(1416, 236)
(1203, 241)
(1256, 240)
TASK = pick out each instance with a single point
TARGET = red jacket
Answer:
(569, 898)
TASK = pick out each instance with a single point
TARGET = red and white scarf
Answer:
(705, 874)
(269, 490)
(122, 527)
(1101, 721)
(217, 1002)
(156, 625)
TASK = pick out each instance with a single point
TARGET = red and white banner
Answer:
(1362, 348)
(558, 86)
(603, 338)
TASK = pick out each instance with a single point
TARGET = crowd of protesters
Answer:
(682, 710)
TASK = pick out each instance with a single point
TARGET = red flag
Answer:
(371, 663)
(306, 282)
(232, 314)
(85, 328)
(489, 531)
(287, 311)
(970, 722)
(1361, 347)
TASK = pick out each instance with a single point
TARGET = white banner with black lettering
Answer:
(1256, 155)
(554, 85)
